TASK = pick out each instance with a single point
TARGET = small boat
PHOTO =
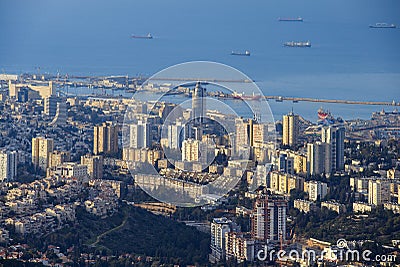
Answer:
(298, 19)
(246, 53)
(148, 36)
(383, 25)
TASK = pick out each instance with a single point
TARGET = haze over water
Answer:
(347, 60)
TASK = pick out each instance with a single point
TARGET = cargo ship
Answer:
(297, 44)
(322, 114)
(382, 25)
(148, 36)
(246, 97)
(298, 19)
(246, 53)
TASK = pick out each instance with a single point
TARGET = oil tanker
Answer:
(246, 53)
(382, 25)
(297, 44)
(298, 19)
(148, 36)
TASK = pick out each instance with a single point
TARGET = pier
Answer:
(334, 101)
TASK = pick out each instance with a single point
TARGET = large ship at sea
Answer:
(148, 36)
(298, 19)
(246, 53)
(382, 25)
(297, 44)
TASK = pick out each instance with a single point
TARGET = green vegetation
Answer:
(16, 263)
(380, 225)
(135, 231)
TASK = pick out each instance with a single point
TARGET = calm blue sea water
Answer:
(347, 60)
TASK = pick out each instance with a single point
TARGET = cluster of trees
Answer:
(380, 225)
(135, 231)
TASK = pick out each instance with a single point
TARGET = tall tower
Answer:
(94, 166)
(334, 135)
(319, 158)
(8, 165)
(60, 117)
(41, 150)
(105, 138)
(198, 105)
(140, 135)
(219, 228)
(50, 105)
(268, 219)
(378, 191)
(290, 125)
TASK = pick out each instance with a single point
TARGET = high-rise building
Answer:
(41, 150)
(319, 158)
(290, 125)
(239, 246)
(334, 135)
(8, 165)
(268, 219)
(198, 104)
(60, 117)
(285, 163)
(94, 165)
(243, 133)
(59, 157)
(249, 134)
(260, 133)
(219, 228)
(140, 135)
(316, 190)
(378, 191)
(50, 105)
(175, 135)
(191, 150)
(23, 95)
(105, 138)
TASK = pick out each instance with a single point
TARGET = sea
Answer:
(347, 60)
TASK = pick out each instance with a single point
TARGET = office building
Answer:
(8, 165)
(41, 150)
(239, 246)
(316, 190)
(175, 135)
(60, 118)
(70, 170)
(378, 191)
(268, 219)
(304, 205)
(105, 138)
(198, 105)
(191, 150)
(285, 163)
(319, 158)
(94, 165)
(50, 105)
(58, 158)
(219, 228)
(334, 135)
(140, 135)
(290, 124)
